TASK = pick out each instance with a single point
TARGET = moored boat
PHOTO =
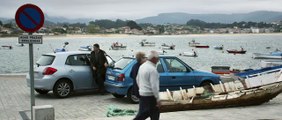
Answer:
(250, 91)
(7, 46)
(221, 69)
(271, 55)
(118, 46)
(167, 47)
(270, 63)
(193, 43)
(85, 48)
(61, 49)
(236, 51)
(218, 47)
(202, 46)
(189, 54)
(144, 43)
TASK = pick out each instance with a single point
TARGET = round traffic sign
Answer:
(29, 18)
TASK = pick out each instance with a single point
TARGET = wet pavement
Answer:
(89, 105)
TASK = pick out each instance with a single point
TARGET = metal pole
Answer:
(31, 74)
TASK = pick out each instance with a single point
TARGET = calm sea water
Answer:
(17, 60)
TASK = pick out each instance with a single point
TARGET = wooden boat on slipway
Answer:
(254, 90)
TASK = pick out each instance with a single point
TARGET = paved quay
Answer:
(15, 105)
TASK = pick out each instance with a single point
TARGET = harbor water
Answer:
(16, 60)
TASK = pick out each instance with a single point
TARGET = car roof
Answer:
(68, 53)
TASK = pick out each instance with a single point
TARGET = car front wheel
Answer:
(62, 88)
(131, 97)
(41, 91)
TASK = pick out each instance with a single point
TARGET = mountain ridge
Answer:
(182, 18)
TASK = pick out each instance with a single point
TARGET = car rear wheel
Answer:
(118, 96)
(43, 92)
(63, 88)
(131, 97)
(206, 83)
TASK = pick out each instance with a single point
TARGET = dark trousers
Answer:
(148, 108)
(100, 79)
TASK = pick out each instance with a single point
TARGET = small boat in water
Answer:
(270, 63)
(253, 90)
(118, 46)
(193, 43)
(272, 55)
(7, 47)
(189, 54)
(202, 46)
(85, 48)
(168, 47)
(161, 52)
(144, 43)
(61, 49)
(234, 51)
(218, 47)
(221, 69)
(20, 45)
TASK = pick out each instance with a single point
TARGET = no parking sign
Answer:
(29, 18)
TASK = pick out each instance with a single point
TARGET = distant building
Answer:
(255, 30)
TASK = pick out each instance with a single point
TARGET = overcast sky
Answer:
(135, 9)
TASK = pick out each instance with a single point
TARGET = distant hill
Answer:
(66, 20)
(51, 19)
(182, 18)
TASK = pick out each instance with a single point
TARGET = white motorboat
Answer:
(270, 63)
(218, 47)
(271, 55)
(161, 52)
(118, 46)
(189, 54)
(144, 43)
(85, 48)
(193, 43)
(168, 47)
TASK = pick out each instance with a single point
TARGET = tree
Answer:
(59, 30)
(8, 25)
(1, 23)
(133, 25)
(92, 28)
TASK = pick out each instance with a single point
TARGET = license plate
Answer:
(111, 77)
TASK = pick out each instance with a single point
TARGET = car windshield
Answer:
(45, 60)
(122, 63)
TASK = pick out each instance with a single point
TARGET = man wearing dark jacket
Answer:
(99, 64)
(140, 58)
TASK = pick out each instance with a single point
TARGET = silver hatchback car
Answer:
(63, 73)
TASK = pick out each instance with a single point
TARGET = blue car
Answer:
(174, 73)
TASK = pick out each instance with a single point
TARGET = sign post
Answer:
(30, 18)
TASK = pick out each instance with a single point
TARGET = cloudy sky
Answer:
(135, 9)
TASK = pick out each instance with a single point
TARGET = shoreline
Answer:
(128, 35)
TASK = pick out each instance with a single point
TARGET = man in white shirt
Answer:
(148, 83)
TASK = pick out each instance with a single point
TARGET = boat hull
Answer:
(236, 52)
(202, 46)
(254, 96)
(265, 56)
(118, 47)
